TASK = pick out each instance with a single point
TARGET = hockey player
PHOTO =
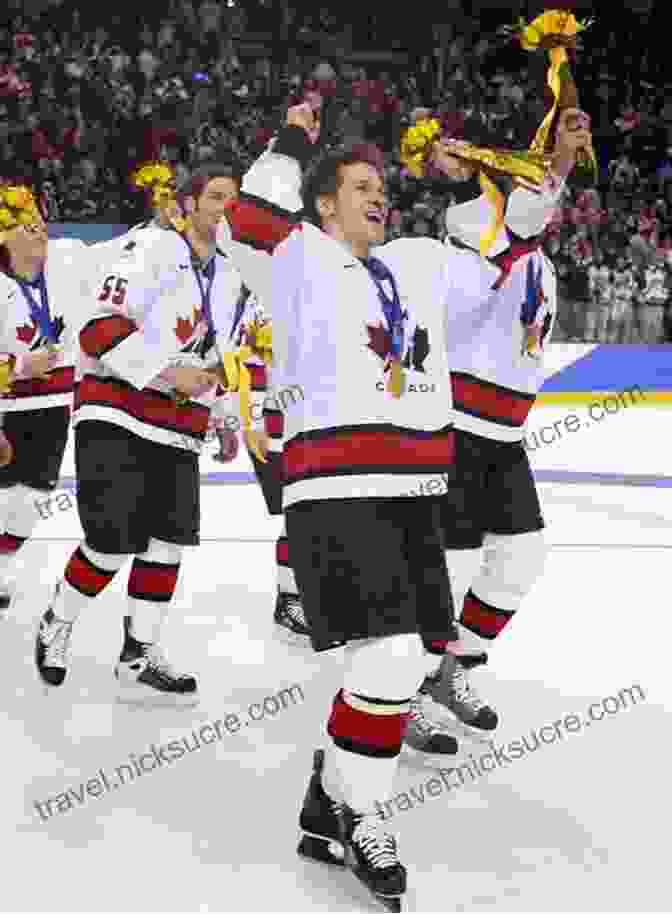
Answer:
(43, 293)
(496, 345)
(364, 338)
(166, 314)
(496, 357)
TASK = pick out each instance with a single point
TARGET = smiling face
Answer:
(357, 212)
(209, 209)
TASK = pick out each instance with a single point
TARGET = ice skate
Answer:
(290, 620)
(456, 706)
(321, 838)
(424, 741)
(371, 854)
(145, 676)
(52, 646)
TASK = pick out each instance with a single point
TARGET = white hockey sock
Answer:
(147, 619)
(366, 728)
(86, 575)
(464, 566)
(151, 586)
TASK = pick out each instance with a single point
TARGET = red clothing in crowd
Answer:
(43, 148)
(326, 87)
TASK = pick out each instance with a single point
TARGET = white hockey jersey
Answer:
(148, 320)
(496, 350)
(346, 436)
(68, 282)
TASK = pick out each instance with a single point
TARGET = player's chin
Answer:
(375, 232)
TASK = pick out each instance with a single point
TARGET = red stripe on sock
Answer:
(369, 731)
(10, 544)
(152, 581)
(282, 552)
(81, 574)
(486, 621)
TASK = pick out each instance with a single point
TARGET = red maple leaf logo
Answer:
(380, 340)
(184, 330)
(25, 333)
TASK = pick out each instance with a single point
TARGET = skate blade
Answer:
(48, 689)
(133, 695)
(426, 759)
(393, 903)
(321, 849)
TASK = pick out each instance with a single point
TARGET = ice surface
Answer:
(579, 825)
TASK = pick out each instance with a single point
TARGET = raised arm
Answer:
(270, 204)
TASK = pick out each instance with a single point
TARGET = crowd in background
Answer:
(86, 96)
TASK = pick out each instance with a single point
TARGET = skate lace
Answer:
(337, 806)
(295, 609)
(380, 848)
(464, 691)
(156, 661)
(57, 642)
(417, 715)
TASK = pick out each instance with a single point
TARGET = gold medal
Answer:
(396, 382)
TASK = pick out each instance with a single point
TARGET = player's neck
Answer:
(361, 248)
(203, 246)
(27, 267)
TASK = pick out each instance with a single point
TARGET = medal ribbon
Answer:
(395, 322)
(206, 290)
(39, 311)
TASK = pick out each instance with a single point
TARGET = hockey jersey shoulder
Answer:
(153, 251)
(8, 287)
(422, 252)
(66, 246)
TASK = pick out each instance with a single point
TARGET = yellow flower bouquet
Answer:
(158, 179)
(17, 207)
(556, 31)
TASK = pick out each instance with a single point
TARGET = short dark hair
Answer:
(323, 178)
(201, 177)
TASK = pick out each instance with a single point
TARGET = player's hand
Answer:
(306, 117)
(572, 136)
(37, 364)
(444, 159)
(6, 451)
(193, 382)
